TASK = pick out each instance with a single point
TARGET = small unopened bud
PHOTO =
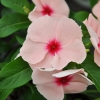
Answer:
(26, 10)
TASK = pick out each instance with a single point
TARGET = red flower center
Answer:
(47, 10)
(99, 44)
(63, 80)
(53, 46)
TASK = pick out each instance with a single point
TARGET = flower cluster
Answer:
(53, 41)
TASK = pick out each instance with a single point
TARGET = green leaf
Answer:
(11, 23)
(2, 65)
(20, 6)
(15, 74)
(93, 2)
(20, 40)
(4, 47)
(37, 95)
(15, 54)
(81, 16)
(6, 11)
(65, 98)
(92, 69)
(4, 94)
(28, 93)
(97, 99)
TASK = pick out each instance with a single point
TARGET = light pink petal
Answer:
(94, 42)
(51, 91)
(33, 52)
(68, 72)
(97, 57)
(93, 22)
(38, 4)
(59, 62)
(45, 63)
(41, 77)
(43, 29)
(75, 87)
(60, 7)
(92, 32)
(34, 14)
(46, 2)
(68, 30)
(96, 10)
(81, 78)
(74, 51)
(98, 32)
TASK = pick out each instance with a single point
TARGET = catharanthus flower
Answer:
(93, 26)
(53, 84)
(53, 42)
(56, 8)
(96, 10)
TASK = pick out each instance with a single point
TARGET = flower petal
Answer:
(59, 62)
(41, 77)
(43, 29)
(68, 30)
(93, 23)
(78, 77)
(94, 43)
(34, 14)
(33, 52)
(45, 63)
(51, 91)
(96, 10)
(75, 87)
(74, 51)
(60, 7)
(68, 72)
(97, 57)
(38, 4)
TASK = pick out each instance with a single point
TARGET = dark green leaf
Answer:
(97, 99)
(6, 11)
(65, 98)
(92, 69)
(4, 94)
(21, 6)
(15, 54)
(28, 94)
(11, 23)
(93, 2)
(2, 65)
(15, 74)
(20, 40)
(4, 47)
(37, 95)
(81, 16)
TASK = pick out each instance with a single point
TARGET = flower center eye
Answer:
(63, 80)
(47, 10)
(53, 46)
(99, 45)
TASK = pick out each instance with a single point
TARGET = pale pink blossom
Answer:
(53, 84)
(96, 10)
(93, 26)
(53, 42)
(56, 8)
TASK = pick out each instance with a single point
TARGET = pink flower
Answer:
(53, 42)
(54, 8)
(96, 10)
(53, 84)
(93, 27)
